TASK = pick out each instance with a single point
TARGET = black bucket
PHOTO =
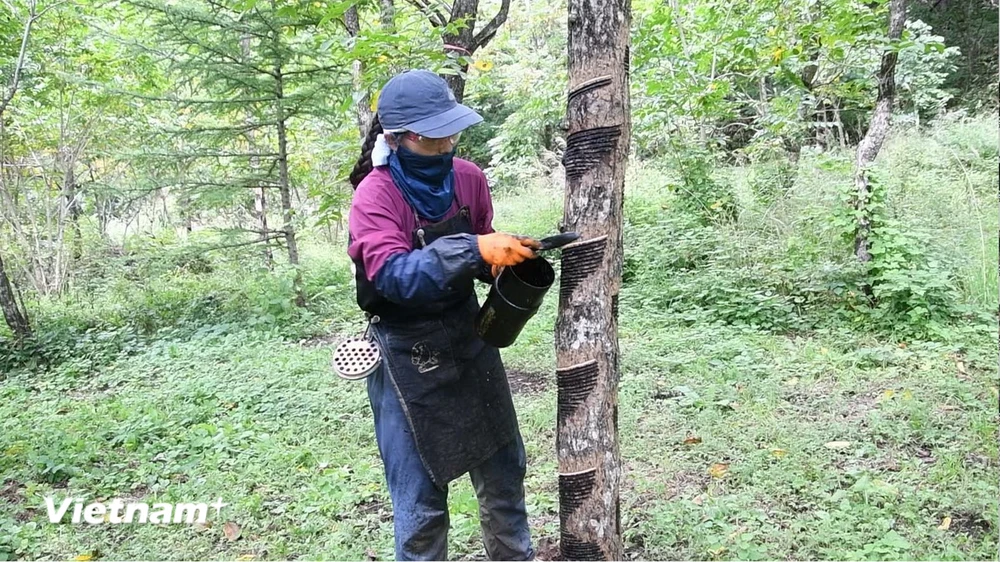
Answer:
(514, 298)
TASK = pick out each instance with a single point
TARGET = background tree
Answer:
(461, 37)
(14, 313)
(250, 71)
(870, 145)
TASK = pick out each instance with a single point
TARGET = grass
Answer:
(809, 441)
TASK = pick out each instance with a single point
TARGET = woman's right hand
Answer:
(504, 250)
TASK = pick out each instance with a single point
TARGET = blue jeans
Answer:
(420, 509)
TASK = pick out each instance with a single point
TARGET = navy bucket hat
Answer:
(421, 101)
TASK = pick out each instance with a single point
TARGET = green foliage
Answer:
(524, 99)
(771, 178)
(785, 264)
(175, 292)
(969, 26)
(699, 192)
(912, 293)
(923, 69)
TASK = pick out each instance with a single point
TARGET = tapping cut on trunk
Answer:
(580, 261)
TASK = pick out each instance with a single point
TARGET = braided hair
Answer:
(364, 164)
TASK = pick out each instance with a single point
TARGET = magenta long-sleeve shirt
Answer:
(381, 222)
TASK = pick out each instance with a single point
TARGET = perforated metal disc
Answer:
(356, 358)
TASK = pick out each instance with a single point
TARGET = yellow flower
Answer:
(777, 55)
(483, 65)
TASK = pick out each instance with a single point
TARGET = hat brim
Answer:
(446, 124)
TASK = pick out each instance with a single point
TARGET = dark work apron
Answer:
(452, 385)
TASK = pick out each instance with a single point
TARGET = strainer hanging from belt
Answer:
(356, 358)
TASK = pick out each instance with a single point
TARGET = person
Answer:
(420, 233)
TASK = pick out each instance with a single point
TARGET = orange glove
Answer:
(504, 249)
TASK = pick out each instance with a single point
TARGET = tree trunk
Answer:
(284, 185)
(465, 40)
(260, 209)
(362, 105)
(461, 10)
(388, 15)
(16, 318)
(73, 206)
(587, 327)
(260, 190)
(870, 145)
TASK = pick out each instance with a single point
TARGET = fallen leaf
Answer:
(888, 394)
(718, 470)
(83, 557)
(945, 524)
(692, 440)
(837, 444)
(961, 367)
(231, 530)
(824, 350)
(246, 557)
(199, 526)
(907, 396)
(902, 345)
(371, 554)
(792, 381)
(778, 453)
(698, 500)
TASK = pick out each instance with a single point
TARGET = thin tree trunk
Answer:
(463, 39)
(362, 107)
(260, 191)
(69, 191)
(466, 40)
(284, 185)
(16, 318)
(586, 342)
(870, 145)
(387, 9)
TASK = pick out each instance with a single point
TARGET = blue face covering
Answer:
(427, 182)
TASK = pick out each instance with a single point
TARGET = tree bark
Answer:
(362, 107)
(872, 142)
(387, 14)
(461, 10)
(284, 185)
(260, 190)
(72, 205)
(16, 318)
(467, 39)
(587, 372)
